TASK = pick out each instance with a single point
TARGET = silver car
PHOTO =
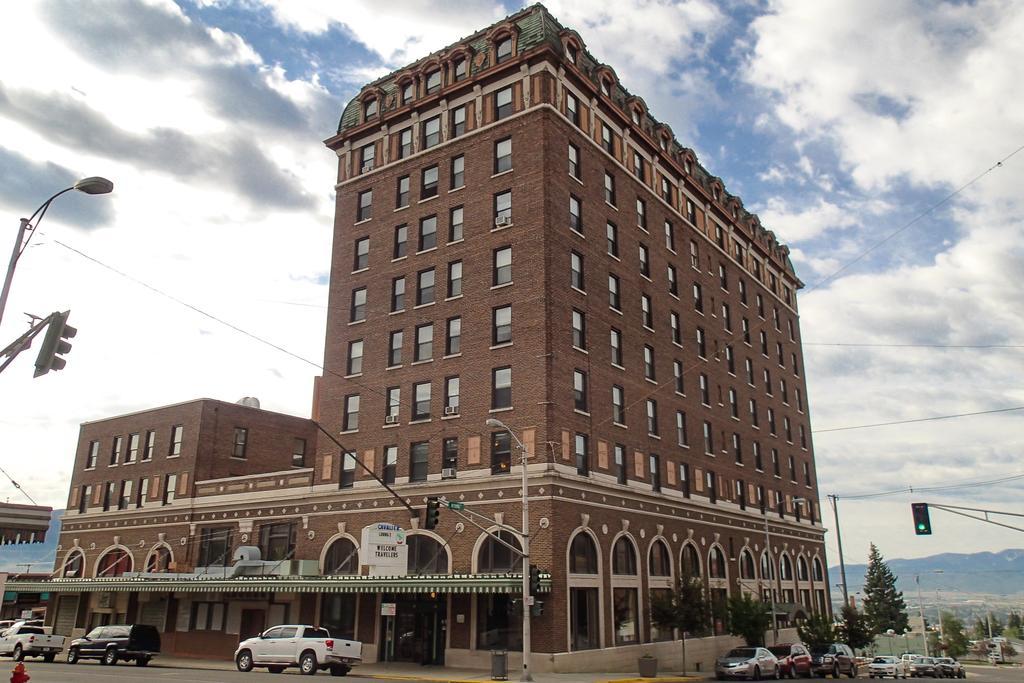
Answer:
(751, 663)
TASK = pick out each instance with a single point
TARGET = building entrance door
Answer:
(418, 631)
(252, 624)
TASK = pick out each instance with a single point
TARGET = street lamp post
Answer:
(920, 609)
(93, 185)
(839, 543)
(492, 422)
(771, 579)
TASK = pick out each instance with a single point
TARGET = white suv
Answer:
(308, 647)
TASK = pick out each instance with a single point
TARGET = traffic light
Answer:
(534, 580)
(537, 610)
(922, 521)
(433, 513)
(55, 344)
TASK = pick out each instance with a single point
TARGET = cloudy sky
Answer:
(839, 123)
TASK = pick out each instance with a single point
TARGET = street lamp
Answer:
(492, 422)
(92, 185)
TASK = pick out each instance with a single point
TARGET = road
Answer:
(92, 672)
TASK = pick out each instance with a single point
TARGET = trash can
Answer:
(647, 666)
(499, 665)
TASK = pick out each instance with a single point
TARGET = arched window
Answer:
(74, 566)
(660, 562)
(801, 568)
(716, 563)
(114, 563)
(747, 570)
(426, 555)
(818, 574)
(370, 108)
(785, 568)
(691, 561)
(582, 555)
(159, 560)
(341, 558)
(624, 558)
(495, 558)
(767, 567)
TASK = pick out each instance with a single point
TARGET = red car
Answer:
(794, 660)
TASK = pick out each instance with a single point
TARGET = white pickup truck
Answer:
(20, 641)
(310, 648)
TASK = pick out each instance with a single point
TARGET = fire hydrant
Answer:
(18, 675)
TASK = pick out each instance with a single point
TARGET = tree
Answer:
(884, 607)
(684, 608)
(1014, 621)
(818, 632)
(954, 641)
(854, 629)
(748, 618)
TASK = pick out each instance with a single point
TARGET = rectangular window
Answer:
(428, 233)
(645, 260)
(401, 238)
(214, 548)
(347, 477)
(133, 448)
(581, 447)
(451, 395)
(579, 329)
(684, 479)
(614, 294)
(698, 298)
(743, 291)
(574, 161)
(455, 224)
(398, 294)
(361, 254)
(115, 449)
(503, 155)
(775, 463)
(355, 357)
(392, 404)
(424, 342)
(792, 469)
(677, 330)
(575, 214)
(673, 281)
(449, 457)
(723, 277)
(419, 460)
(579, 391)
(358, 310)
(501, 452)
(425, 287)
(109, 495)
(771, 421)
(654, 464)
(147, 450)
(124, 498)
(428, 182)
(726, 318)
(609, 188)
(682, 435)
(141, 493)
(405, 143)
(612, 234)
(421, 401)
(433, 81)
(616, 347)
(366, 157)
(702, 350)
(390, 464)
(705, 390)
(734, 407)
(607, 138)
(458, 120)
(365, 209)
(620, 463)
(503, 103)
(350, 420)
(641, 214)
(502, 266)
(177, 431)
(503, 209)
(92, 455)
(709, 440)
(572, 109)
(618, 405)
(666, 190)
(758, 462)
(649, 362)
(454, 279)
(730, 360)
(646, 312)
(298, 452)
(395, 341)
(652, 417)
(458, 173)
(576, 278)
(670, 237)
(501, 388)
(691, 212)
(711, 481)
(677, 372)
(453, 337)
(807, 474)
(737, 448)
(170, 488)
(501, 325)
(638, 166)
(431, 132)
(753, 412)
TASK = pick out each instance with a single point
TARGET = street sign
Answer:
(384, 549)
(388, 609)
(452, 505)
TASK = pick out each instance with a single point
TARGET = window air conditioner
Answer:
(448, 473)
(390, 419)
(502, 221)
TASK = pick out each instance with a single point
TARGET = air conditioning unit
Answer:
(502, 221)
(367, 167)
(451, 410)
(390, 419)
(448, 473)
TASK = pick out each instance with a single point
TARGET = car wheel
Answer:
(307, 664)
(18, 654)
(244, 661)
(757, 674)
(339, 670)
(275, 669)
(73, 656)
(141, 661)
(110, 657)
(853, 671)
(835, 671)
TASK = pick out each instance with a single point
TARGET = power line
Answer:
(919, 419)
(18, 486)
(933, 489)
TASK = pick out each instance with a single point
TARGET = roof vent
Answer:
(249, 402)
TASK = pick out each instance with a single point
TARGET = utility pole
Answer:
(771, 579)
(834, 499)
(920, 609)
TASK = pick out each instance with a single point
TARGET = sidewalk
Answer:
(438, 674)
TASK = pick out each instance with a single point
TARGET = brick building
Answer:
(517, 238)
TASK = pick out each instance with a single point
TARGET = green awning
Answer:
(440, 583)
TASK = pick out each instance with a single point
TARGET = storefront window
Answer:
(338, 613)
(584, 618)
(496, 558)
(426, 555)
(626, 616)
(499, 623)
(582, 555)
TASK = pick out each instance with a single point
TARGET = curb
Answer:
(656, 679)
(425, 679)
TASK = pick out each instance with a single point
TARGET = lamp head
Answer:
(94, 185)
(491, 422)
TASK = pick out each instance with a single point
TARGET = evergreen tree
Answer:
(817, 632)
(684, 609)
(954, 642)
(748, 618)
(854, 629)
(884, 607)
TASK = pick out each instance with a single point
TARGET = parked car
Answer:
(923, 666)
(908, 659)
(949, 668)
(835, 659)
(310, 648)
(880, 667)
(794, 659)
(20, 641)
(752, 663)
(109, 644)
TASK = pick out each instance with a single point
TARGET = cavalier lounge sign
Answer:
(384, 550)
